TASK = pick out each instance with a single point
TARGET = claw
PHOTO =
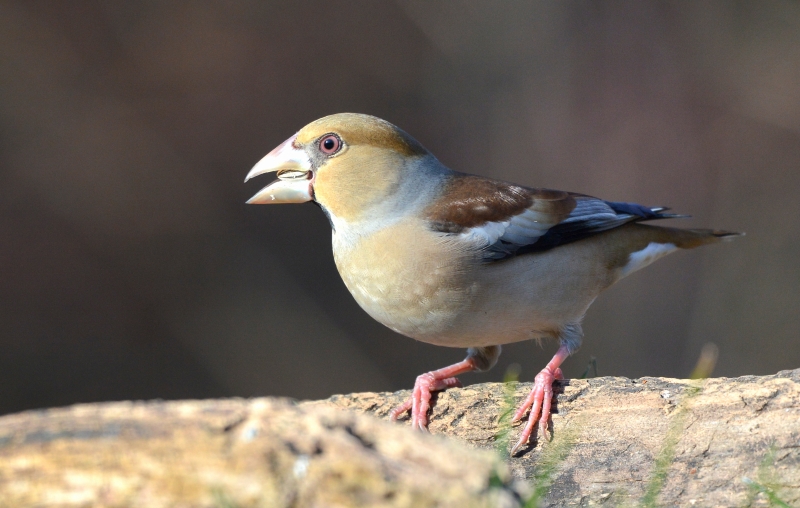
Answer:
(539, 401)
(402, 408)
(426, 384)
(517, 447)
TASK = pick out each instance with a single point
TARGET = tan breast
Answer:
(419, 283)
(405, 277)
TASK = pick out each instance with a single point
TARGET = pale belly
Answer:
(420, 296)
(440, 299)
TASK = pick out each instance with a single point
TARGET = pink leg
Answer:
(419, 402)
(540, 398)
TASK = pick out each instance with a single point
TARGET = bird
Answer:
(461, 260)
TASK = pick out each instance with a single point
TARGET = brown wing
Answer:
(506, 220)
(469, 201)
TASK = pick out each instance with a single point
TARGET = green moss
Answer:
(666, 455)
(502, 438)
(552, 456)
(767, 482)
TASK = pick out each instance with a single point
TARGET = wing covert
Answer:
(505, 220)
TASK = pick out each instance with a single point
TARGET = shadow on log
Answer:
(651, 441)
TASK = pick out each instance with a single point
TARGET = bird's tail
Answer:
(691, 238)
(645, 243)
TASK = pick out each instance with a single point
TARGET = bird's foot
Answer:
(539, 402)
(419, 402)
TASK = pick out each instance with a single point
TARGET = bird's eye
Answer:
(330, 144)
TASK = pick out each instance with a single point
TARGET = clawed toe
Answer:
(539, 401)
(419, 402)
(399, 410)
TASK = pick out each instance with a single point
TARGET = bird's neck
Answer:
(411, 194)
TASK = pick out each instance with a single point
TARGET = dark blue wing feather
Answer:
(634, 209)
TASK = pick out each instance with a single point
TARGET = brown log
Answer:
(656, 441)
(616, 441)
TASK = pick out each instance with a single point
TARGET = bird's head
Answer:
(350, 164)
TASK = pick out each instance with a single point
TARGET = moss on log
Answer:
(650, 441)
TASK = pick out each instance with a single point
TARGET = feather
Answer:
(505, 220)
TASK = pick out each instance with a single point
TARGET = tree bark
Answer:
(616, 441)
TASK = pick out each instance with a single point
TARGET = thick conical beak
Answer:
(295, 178)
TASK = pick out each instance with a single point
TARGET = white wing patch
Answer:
(644, 257)
(485, 234)
(519, 230)
(537, 230)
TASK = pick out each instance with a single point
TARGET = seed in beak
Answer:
(293, 174)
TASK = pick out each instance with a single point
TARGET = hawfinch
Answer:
(460, 260)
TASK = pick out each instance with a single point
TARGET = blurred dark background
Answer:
(130, 266)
